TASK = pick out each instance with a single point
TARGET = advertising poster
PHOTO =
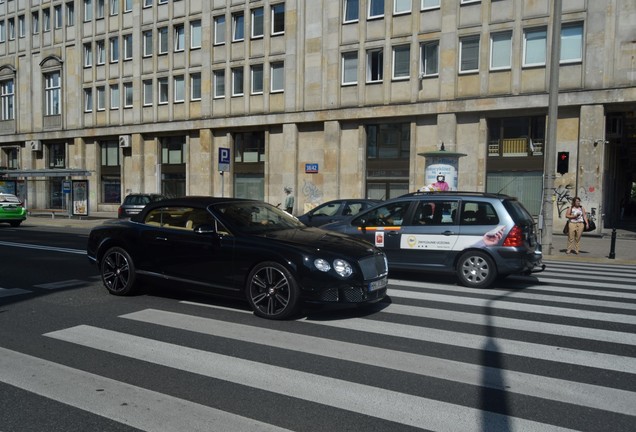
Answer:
(441, 174)
(80, 197)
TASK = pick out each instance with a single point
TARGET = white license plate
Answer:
(379, 284)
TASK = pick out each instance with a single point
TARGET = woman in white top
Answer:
(577, 222)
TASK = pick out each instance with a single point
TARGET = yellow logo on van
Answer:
(411, 241)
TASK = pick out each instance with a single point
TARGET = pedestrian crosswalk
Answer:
(554, 351)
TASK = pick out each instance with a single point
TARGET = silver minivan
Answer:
(478, 236)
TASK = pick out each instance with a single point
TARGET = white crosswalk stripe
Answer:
(576, 329)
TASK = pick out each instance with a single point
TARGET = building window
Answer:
(70, 14)
(430, 4)
(350, 68)
(572, 43)
(238, 27)
(534, 47)
(147, 39)
(88, 100)
(128, 95)
(53, 93)
(57, 155)
(163, 40)
(195, 34)
(195, 86)
(88, 10)
(401, 6)
(278, 19)
(430, 59)
(469, 1)
(148, 92)
(388, 158)
(100, 52)
(162, 83)
(257, 22)
(375, 61)
(2, 31)
(7, 95)
(469, 54)
(351, 11)
(179, 88)
(57, 17)
(376, 9)
(114, 49)
(219, 83)
(110, 172)
(237, 81)
(114, 7)
(35, 22)
(100, 9)
(88, 55)
(114, 96)
(277, 77)
(13, 161)
(148, 3)
(46, 19)
(389, 141)
(128, 46)
(179, 37)
(128, 5)
(110, 154)
(11, 29)
(257, 79)
(101, 98)
(500, 50)
(219, 30)
(401, 62)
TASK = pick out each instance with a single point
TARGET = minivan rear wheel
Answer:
(476, 269)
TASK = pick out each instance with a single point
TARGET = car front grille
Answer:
(373, 266)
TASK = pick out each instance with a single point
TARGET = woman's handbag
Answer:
(566, 227)
(591, 226)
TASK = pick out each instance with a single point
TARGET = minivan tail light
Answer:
(514, 237)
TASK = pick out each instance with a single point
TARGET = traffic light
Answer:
(563, 162)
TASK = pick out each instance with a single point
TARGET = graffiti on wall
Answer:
(311, 192)
(563, 198)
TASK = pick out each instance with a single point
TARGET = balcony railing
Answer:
(515, 147)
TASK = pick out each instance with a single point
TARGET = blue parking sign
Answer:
(224, 159)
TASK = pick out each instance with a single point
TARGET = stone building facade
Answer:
(334, 98)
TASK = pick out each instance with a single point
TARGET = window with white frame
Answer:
(7, 96)
(277, 77)
(375, 65)
(114, 7)
(401, 62)
(100, 52)
(88, 100)
(179, 88)
(350, 68)
(572, 43)
(195, 34)
(3, 29)
(534, 47)
(35, 22)
(11, 28)
(258, 16)
(163, 40)
(429, 59)
(257, 79)
(88, 10)
(99, 13)
(162, 84)
(46, 19)
(179, 37)
(101, 98)
(469, 54)
(70, 14)
(237, 81)
(88, 54)
(430, 4)
(376, 9)
(163, 1)
(58, 18)
(114, 49)
(469, 1)
(501, 50)
(128, 95)
(128, 4)
(114, 96)
(147, 41)
(148, 3)
(351, 12)
(195, 86)
(238, 27)
(219, 83)
(219, 30)
(401, 7)
(128, 46)
(278, 19)
(148, 92)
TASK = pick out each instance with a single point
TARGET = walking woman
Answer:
(577, 222)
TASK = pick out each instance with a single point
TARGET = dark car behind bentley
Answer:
(238, 248)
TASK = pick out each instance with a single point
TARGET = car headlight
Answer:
(322, 265)
(342, 267)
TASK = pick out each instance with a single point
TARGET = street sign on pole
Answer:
(224, 159)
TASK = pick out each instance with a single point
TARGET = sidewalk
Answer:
(594, 247)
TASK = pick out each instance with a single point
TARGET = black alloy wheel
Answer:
(272, 291)
(475, 269)
(118, 271)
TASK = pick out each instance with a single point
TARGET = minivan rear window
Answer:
(518, 212)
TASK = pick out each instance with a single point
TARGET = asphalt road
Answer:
(555, 351)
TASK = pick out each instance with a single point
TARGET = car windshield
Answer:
(9, 198)
(255, 217)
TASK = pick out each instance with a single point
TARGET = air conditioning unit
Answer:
(35, 145)
(124, 141)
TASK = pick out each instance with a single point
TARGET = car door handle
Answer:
(392, 233)
(448, 233)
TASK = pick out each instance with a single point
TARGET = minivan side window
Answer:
(478, 213)
(388, 215)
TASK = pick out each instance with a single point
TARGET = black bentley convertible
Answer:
(238, 248)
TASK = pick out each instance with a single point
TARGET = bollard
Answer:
(612, 253)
